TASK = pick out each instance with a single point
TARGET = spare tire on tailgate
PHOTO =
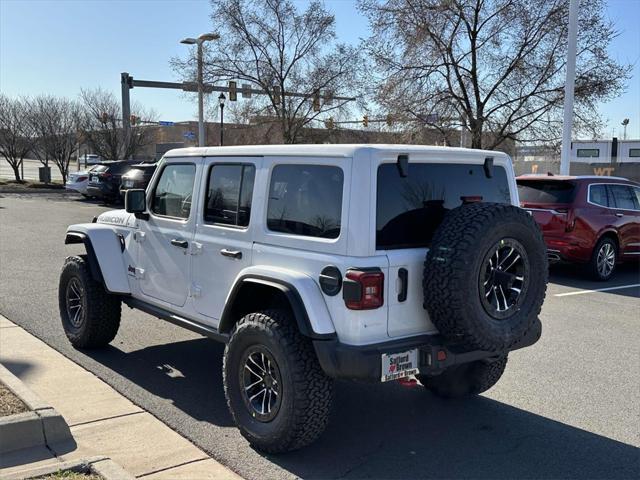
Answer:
(485, 275)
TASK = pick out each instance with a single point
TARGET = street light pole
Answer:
(199, 42)
(221, 100)
(201, 140)
(569, 87)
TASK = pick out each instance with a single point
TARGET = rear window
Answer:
(99, 168)
(410, 209)
(545, 191)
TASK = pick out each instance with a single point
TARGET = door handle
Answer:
(403, 275)
(619, 215)
(231, 253)
(176, 242)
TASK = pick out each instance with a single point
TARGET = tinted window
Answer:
(99, 168)
(598, 195)
(634, 152)
(229, 194)
(545, 191)
(624, 197)
(410, 209)
(172, 195)
(588, 152)
(305, 200)
(636, 191)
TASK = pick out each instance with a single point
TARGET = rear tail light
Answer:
(363, 289)
(105, 175)
(81, 179)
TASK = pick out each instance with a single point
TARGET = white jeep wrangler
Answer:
(318, 262)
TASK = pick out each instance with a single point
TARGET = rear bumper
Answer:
(102, 191)
(567, 250)
(364, 362)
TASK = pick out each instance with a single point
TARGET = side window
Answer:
(229, 192)
(172, 194)
(636, 191)
(624, 197)
(306, 200)
(598, 195)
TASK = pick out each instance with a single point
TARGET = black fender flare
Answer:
(92, 259)
(298, 308)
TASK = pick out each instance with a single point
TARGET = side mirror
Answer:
(135, 201)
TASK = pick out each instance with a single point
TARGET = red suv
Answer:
(589, 220)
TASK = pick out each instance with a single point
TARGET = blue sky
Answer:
(60, 46)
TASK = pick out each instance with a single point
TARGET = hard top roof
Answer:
(332, 150)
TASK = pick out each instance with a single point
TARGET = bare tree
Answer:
(16, 136)
(55, 123)
(273, 46)
(494, 67)
(101, 126)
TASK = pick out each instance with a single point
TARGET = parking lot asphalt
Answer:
(565, 408)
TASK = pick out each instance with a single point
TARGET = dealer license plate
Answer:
(94, 178)
(399, 365)
(128, 183)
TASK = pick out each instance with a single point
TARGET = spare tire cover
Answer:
(485, 275)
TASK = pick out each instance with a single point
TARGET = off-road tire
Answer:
(453, 267)
(102, 310)
(466, 379)
(592, 266)
(306, 391)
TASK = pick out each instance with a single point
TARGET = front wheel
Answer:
(466, 379)
(90, 315)
(277, 393)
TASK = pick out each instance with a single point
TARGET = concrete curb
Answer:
(42, 425)
(103, 466)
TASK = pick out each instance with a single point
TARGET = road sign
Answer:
(165, 123)
(189, 135)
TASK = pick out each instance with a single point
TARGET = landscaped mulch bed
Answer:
(9, 403)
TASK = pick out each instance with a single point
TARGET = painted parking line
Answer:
(580, 292)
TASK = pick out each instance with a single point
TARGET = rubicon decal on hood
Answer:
(117, 217)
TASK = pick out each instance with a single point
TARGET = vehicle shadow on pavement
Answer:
(574, 276)
(386, 430)
(189, 373)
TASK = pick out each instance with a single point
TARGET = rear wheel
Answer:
(603, 259)
(90, 316)
(277, 393)
(466, 379)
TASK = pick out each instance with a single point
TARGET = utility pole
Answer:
(569, 87)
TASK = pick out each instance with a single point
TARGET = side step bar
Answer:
(170, 317)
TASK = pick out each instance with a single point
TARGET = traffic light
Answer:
(329, 123)
(133, 119)
(316, 102)
(105, 117)
(365, 121)
(277, 94)
(389, 120)
(233, 91)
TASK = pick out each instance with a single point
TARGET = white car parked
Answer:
(78, 181)
(316, 262)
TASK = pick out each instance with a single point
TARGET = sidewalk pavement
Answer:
(102, 421)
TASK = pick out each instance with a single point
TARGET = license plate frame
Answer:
(399, 365)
